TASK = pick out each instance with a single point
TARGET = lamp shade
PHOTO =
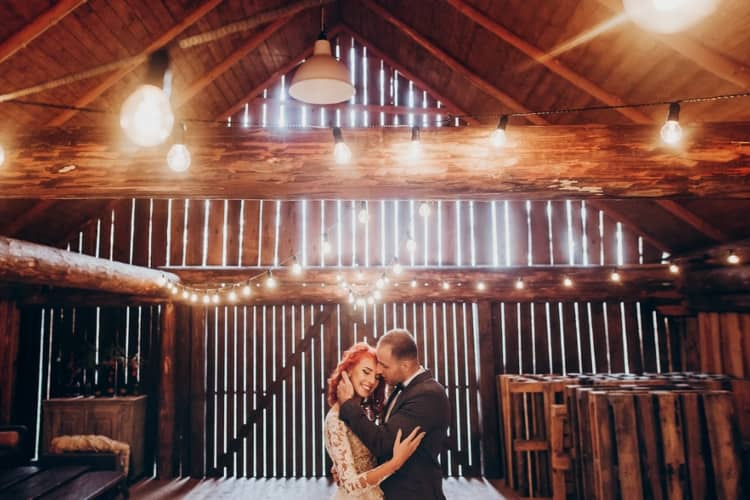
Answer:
(321, 79)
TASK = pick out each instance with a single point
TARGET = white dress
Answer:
(352, 460)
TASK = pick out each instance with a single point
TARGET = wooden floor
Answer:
(277, 489)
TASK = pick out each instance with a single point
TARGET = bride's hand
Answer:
(402, 450)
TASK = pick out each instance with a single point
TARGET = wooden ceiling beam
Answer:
(321, 285)
(715, 62)
(276, 75)
(239, 53)
(39, 25)
(15, 225)
(550, 63)
(28, 263)
(454, 64)
(629, 222)
(554, 162)
(194, 16)
(373, 49)
(693, 220)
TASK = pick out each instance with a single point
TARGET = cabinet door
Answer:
(62, 421)
(104, 421)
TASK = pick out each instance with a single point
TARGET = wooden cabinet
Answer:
(122, 419)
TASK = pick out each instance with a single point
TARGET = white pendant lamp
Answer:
(322, 79)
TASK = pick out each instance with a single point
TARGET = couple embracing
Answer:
(387, 423)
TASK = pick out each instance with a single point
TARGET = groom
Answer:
(416, 400)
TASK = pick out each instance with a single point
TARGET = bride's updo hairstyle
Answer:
(349, 360)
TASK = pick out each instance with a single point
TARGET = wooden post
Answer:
(9, 336)
(488, 361)
(167, 386)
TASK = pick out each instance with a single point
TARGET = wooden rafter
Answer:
(552, 64)
(39, 25)
(286, 68)
(628, 221)
(554, 162)
(169, 35)
(250, 44)
(692, 220)
(454, 64)
(12, 228)
(717, 63)
(372, 48)
(540, 282)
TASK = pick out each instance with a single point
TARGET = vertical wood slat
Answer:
(211, 392)
(473, 425)
(278, 404)
(724, 444)
(230, 349)
(159, 216)
(483, 233)
(695, 443)
(626, 437)
(250, 232)
(10, 320)
(176, 232)
(671, 427)
(215, 230)
(233, 243)
(487, 321)
(195, 226)
(597, 319)
(616, 347)
(141, 232)
(167, 392)
(198, 393)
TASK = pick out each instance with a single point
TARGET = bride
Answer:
(355, 467)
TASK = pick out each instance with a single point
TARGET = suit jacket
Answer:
(423, 402)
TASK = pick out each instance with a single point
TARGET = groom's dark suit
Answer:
(423, 402)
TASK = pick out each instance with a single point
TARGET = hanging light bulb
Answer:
(185, 294)
(397, 269)
(519, 284)
(175, 290)
(360, 301)
(671, 132)
(414, 283)
(567, 282)
(377, 294)
(497, 138)
(674, 268)
(206, 298)
(246, 290)
(446, 285)
(411, 245)
(424, 209)
(363, 216)
(2, 155)
(233, 296)
(194, 297)
(146, 116)
(380, 283)
(326, 245)
(321, 79)
(270, 280)
(215, 298)
(178, 157)
(351, 297)
(415, 145)
(360, 274)
(296, 267)
(733, 258)
(370, 300)
(481, 286)
(615, 276)
(341, 152)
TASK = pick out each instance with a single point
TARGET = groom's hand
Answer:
(345, 390)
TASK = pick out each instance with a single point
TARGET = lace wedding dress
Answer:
(352, 460)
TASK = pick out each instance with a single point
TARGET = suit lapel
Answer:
(425, 375)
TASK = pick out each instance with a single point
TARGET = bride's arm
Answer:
(340, 451)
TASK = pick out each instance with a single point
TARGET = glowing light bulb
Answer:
(414, 283)
(342, 154)
(246, 290)
(185, 294)
(370, 300)
(411, 245)
(175, 290)
(424, 209)
(481, 286)
(146, 116)
(270, 280)
(674, 268)
(351, 298)
(233, 296)
(667, 5)
(326, 245)
(733, 258)
(668, 16)
(671, 132)
(377, 294)
(194, 297)
(415, 146)
(615, 276)
(178, 158)
(567, 282)
(360, 301)
(519, 284)
(206, 299)
(397, 269)
(446, 285)
(380, 283)
(363, 216)
(215, 298)
(296, 267)
(497, 137)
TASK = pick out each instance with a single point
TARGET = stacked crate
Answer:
(620, 436)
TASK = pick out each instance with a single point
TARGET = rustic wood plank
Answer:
(671, 426)
(626, 437)
(597, 319)
(489, 363)
(167, 394)
(731, 344)
(603, 445)
(653, 477)
(526, 339)
(616, 345)
(212, 432)
(215, 231)
(196, 223)
(695, 443)
(722, 436)
(198, 394)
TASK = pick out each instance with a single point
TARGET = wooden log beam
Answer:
(29, 263)
(276, 75)
(550, 63)
(693, 220)
(715, 255)
(554, 162)
(715, 62)
(167, 392)
(39, 25)
(373, 49)
(321, 285)
(194, 16)
(240, 52)
(454, 64)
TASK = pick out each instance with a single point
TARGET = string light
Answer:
(341, 152)
(397, 269)
(326, 246)
(615, 276)
(380, 283)
(246, 290)
(363, 216)
(270, 280)
(519, 284)
(415, 146)
(185, 294)
(674, 268)
(671, 132)
(206, 298)
(296, 267)
(411, 245)
(497, 138)
(178, 157)
(414, 283)
(481, 286)
(446, 285)
(233, 296)
(215, 298)
(424, 209)
(733, 258)
(377, 294)
(567, 282)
